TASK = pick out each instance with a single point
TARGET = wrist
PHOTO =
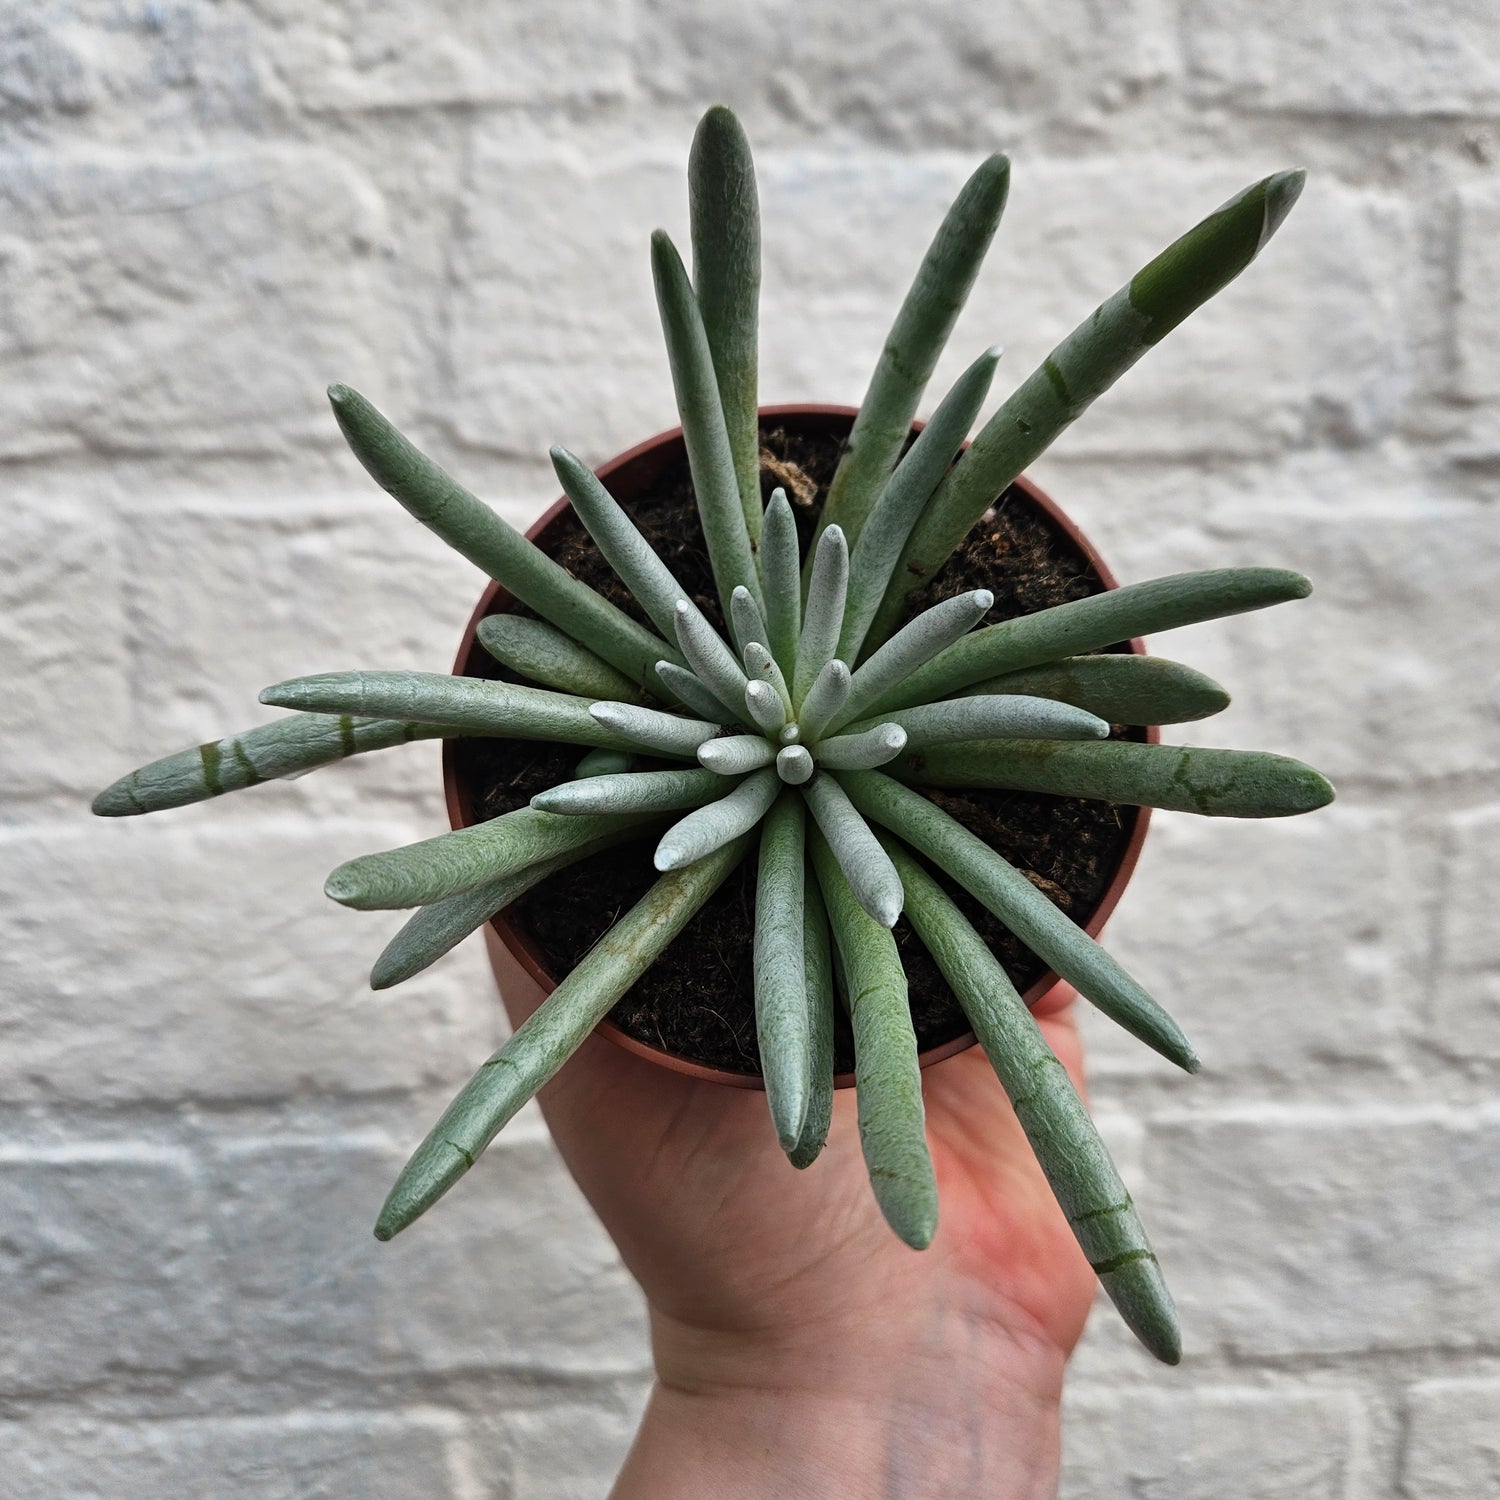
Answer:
(936, 1407)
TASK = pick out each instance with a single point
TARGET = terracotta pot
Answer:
(520, 969)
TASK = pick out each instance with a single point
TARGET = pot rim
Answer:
(495, 599)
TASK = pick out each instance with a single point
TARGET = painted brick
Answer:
(362, 55)
(1349, 679)
(301, 1456)
(134, 70)
(108, 1266)
(1377, 60)
(843, 236)
(1240, 376)
(510, 1272)
(64, 672)
(1452, 1449)
(1327, 1233)
(1272, 944)
(555, 332)
(895, 73)
(1475, 315)
(194, 956)
(1255, 1444)
(196, 303)
(563, 1449)
(1463, 1023)
(225, 601)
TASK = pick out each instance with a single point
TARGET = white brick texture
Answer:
(207, 212)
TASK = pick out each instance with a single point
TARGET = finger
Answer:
(1057, 999)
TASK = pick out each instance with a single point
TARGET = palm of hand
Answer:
(726, 1237)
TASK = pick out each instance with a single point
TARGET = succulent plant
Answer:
(804, 731)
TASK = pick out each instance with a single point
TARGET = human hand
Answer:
(801, 1348)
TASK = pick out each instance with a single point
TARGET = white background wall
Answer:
(209, 210)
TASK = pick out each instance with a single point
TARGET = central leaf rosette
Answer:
(781, 704)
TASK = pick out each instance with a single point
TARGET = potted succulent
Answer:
(799, 690)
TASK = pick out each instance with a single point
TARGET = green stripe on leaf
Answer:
(1179, 778)
(1076, 1162)
(1106, 344)
(550, 1035)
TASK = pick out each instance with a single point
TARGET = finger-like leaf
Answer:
(864, 751)
(1088, 624)
(712, 661)
(435, 930)
(747, 625)
(817, 968)
(550, 1035)
(631, 792)
(709, 456)
(470, 705)
(887, 1076)
(604, 763)
(766, 708)
(715, 825)
(760, 664)
(1180, 778)
(931, 633)
(871, 875)
(909, 488)
(725, 212)
(1001, 716)
(911, 351)
(1106, 344)
(650, 729)
(682, 685)
(1006, 892)
(284, 747)
(783, 1018)
(419, 874)
(1076, 1161)
(824, 616)
(633, 558)
(469, 526)
(781, 574)
(794, 765)
(543, 653)
(825, 699)
(735, 754)
(1121, 688)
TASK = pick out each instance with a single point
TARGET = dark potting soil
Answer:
(697, 999)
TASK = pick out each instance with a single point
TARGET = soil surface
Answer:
(697, 999)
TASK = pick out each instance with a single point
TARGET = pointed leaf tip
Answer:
(339, 393)
(1282, 191)
(115, 801)
(918, 1235)
(1320, 791)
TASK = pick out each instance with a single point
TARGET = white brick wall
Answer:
(206, 212)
